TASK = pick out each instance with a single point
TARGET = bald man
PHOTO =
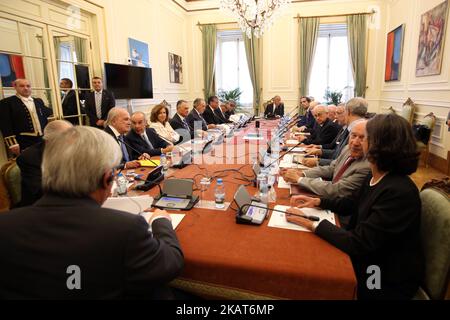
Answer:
(30, 161)
(22, 118)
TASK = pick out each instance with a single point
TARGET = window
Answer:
(331, 65)
(231, 66)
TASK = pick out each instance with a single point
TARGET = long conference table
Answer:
(226, 260)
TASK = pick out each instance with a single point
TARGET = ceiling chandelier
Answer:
(254, 16)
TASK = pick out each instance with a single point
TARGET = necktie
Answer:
(344, 167)
(125, 154)
(185, 124)
(203, 120)
(148, 141)
(98, 104)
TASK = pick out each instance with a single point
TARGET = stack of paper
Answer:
(278, 219)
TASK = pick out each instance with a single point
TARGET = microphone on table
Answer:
(138, 152)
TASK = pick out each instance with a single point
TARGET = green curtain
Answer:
(308, 30)
(209, 40)
(357, 33)
(253, 51)
(80, 49)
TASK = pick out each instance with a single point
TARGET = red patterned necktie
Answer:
(344, 167)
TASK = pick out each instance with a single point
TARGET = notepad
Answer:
(148, 163)
(278, 219)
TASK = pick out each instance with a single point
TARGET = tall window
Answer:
(231, 65)
(331, 66)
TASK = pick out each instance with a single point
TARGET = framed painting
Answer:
(139, 54)
(431, 41)
(394, 54)
(175, 68)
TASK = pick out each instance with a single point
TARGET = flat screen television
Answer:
(129, 82)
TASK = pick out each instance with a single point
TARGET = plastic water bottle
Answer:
(219, 194)
(164, 163)
(121, 185)
(262, 187)
(272, 194)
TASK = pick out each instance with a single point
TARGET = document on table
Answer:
(282, 184)
(291, 142)
(286, 162)
(136, 205)
(278, 219)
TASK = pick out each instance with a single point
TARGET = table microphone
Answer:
(138, 152)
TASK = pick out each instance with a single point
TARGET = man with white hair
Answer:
(332, 112)
(276, 108)
(66, 246)
(325, 131)
(22, 118)
(118, 124)
(30, 160)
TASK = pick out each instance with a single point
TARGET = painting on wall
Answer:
(431, 41)
(175, 68)
(394, 53)
(139, 53)
(11, 68)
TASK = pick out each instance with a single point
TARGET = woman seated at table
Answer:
(384, 230)
(159, 120)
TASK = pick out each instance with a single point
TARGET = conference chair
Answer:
(408, 109)
(10, 189)
(391, 110)
(435, 237)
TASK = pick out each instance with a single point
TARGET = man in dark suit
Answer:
(221, 112)
(69, 101)
(98, 103)
(30, 161)
(325, 131)
(275, 109)
(231, 109)
(179, 122)
(117, 125)
(145, 140)
(307, 122)
(22, 118)
(195, 119)
(66, 246)
(210, 111)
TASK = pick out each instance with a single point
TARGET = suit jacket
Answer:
(192, 118)
(335, 148)
(29, 162)
(384, 231)
(221, 116)
(140, 145)
(307, 120)
(16, 123)
(210, 116)
(108, 102)
(324, 133)
(70, 108)
(123, 161)
(349, 182)
(183, 130)
(279, 111)
(117, 255)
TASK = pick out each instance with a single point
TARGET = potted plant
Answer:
(333, 97)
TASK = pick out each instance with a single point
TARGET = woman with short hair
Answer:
(384, 230)
(159, 120)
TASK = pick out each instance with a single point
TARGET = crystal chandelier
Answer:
(254, 16)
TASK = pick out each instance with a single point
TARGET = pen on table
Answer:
(312, 218)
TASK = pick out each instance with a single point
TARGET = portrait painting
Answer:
(431, 41)
(394, 53)
(175, 68)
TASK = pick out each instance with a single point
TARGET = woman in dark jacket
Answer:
(384, 230)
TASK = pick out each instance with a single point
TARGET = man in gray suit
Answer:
(343, 176)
